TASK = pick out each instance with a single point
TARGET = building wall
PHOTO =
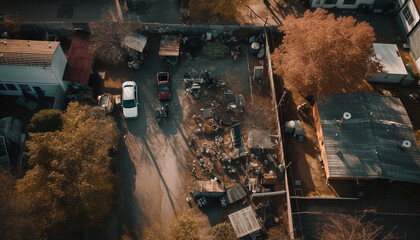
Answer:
(32, 76)
(404, 6)
(58, 65)
(321, 144)
(339, 4)
(387, 78)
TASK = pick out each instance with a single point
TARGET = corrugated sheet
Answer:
(27, 52)
(244, 222)
(135, 41)
(235, 193)
(369, 142)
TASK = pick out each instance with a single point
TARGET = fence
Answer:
(279, 131)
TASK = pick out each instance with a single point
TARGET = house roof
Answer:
(169, 45)
(244, 222)
(370, 141)
(79, 60)
(390, 58)
(135, 41)
(27, 52)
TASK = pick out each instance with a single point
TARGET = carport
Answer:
(169, 48)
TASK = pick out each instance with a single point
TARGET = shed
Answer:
(210, 188)
(135, 41)
(169, 48)
(235, 193)
(259, 140)
(366, 136)
(244, 222)
(393, 70)
(80, 59)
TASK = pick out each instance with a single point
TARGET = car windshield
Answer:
(129, 103)
(163, 87)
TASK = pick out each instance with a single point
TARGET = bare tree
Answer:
(321, 54)
(347, 227)
(108, 35)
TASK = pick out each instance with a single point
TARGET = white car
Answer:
(130, 99)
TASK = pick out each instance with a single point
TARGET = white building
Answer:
(393, 70)
(31, 68)
(344, 4)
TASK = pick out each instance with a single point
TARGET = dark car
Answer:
(163, 86)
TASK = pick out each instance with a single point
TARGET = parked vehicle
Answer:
(163, 86)
(107, 102)
(129, 99)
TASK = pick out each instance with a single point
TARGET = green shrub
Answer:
(215, 50)
(46, 120)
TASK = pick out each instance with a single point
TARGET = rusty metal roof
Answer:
(27, 52)
(369, 144)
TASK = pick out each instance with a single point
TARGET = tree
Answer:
(321, 54)
(223, 231)
(107, 36)
(46, 120)
(344, 227)
(217, 11)
(185, 227)
(70, 184)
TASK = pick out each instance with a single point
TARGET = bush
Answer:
(223, 231)
(215, 50)
(46, 120)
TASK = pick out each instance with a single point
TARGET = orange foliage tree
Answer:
(322, 55)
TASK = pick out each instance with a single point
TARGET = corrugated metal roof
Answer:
(370, 141)
(27, 52)
(80, 58)
(169, 45)
(244, 222)
(235, 193)
(258, 138)
(135, 41)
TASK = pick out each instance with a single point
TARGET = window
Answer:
(2, 87)
(24, 88)
(330, 2)
(408, 15)
(349, 2)
(11, 87)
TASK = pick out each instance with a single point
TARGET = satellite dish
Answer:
(347, 115)
(406, 144)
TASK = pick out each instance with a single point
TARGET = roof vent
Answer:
(346, 116)
(49, 44)
(5, 43)
(405, 144)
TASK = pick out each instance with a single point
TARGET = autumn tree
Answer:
(46, 120)
(185, 226)
(223, 231)
(321, 54)
(70, 184)
(217, 11)
(344, 227)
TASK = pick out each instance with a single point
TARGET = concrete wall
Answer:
(320, 135)
(58, 65)
(340, 4)
(387, 78)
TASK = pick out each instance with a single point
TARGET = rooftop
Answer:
(390, 58)
(370, 142)
(27, 52)
(135, 41)
(80, 58)
(244, 222)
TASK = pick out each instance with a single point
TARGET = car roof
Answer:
(128, 92)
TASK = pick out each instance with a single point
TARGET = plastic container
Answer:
(208, 36)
